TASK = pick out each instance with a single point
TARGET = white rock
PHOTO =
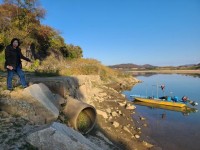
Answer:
(114, 114)
(130, 107)
(115, 124)
(123, 95)
(142, 118)
(137, 136)
(122, 104)
(126, 129)
(119, 112)
(102, 113)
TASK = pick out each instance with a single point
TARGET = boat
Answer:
(171, 108)
(165, 100)
(160, 101)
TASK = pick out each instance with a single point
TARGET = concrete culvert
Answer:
(80, 115)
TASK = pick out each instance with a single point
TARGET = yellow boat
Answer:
(178, 109)
(160, 102)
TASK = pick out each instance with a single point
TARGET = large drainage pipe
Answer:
(80, 115)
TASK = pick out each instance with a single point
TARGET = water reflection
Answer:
(172, 128)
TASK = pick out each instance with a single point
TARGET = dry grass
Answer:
(52, 66)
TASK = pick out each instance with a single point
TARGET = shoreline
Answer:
(129, 133)
(165, 71)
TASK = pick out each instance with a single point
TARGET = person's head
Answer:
(15, 42)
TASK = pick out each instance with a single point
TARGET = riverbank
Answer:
(114, 112)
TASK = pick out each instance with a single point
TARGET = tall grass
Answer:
(52, 66)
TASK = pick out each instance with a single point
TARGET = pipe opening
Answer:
(86, 120)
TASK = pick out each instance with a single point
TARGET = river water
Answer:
(172, 130)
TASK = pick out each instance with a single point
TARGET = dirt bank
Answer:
(115, 116)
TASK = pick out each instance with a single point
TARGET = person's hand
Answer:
(10, 67)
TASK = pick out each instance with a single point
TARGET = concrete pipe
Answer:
(80, 115)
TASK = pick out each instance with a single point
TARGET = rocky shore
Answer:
(115, 127)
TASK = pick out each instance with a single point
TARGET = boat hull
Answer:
(160, 102)
(171, 108)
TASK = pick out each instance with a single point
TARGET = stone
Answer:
(122, 104)
(110, 118)
(126, 129)
(137, 136)
(138, 129)
(130, 107)
(123, 95)
(102, 113)
(119, 112)
(145, 125)
(108, 110)
(142, 118)
(42, 94)
(114, 114)
(148, 145)
(59, 136)
(115, 124)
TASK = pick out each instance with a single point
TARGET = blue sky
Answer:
(157, 32)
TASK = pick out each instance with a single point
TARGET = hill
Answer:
(130, 66)
(133, 66)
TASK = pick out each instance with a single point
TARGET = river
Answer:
(172, 130)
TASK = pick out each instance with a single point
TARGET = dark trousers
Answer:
(10, 75)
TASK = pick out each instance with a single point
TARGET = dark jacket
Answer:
(13, 57)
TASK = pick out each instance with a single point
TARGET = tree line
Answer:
(21, 19)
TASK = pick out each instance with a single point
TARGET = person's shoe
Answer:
(25, 87)
(10, 89)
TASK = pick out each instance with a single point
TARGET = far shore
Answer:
(165, 71)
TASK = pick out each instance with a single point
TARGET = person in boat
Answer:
(184, 98)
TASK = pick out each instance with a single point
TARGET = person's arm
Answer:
(8, 58)
(23, 57)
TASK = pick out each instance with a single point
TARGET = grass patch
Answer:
(2, 60)
(65, 67)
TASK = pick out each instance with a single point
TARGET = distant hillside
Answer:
(130, 66)
(133, 66)
(190, 66)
